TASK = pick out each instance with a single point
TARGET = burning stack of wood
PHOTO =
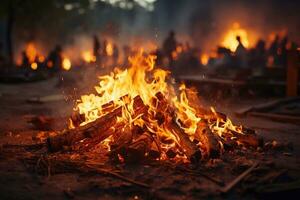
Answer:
(139, 116)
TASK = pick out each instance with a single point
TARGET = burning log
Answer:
(250, 139)
(209, 141)
(171, 153)
(89, 142)
(228, 144)
(78, 118)
(122, 139)
(97, 128)
(138, 149)
(155, 149)
(189, 148)
(133, 151)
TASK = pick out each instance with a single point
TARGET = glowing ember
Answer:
(230, 40)
(173, 115)
(66, 64)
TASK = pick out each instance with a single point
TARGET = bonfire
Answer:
(141, 113)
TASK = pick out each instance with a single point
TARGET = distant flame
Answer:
(88, 57)
(41, 58)
(49, 64)
(31, 52)
(34, 66)
(179, 49)
(109, 49)
(230, 40)
(204, 59)
(66, 64)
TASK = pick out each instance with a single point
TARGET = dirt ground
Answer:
(166, 180)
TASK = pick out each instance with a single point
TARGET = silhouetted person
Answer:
(240, 48)
(260, 57)
(169, 46)
(55, 58)
(126, 51)
(273, 50)
(241, 53)
(115, 54)
(104, 52)
(192, 60)
(274, 46)
(25, 59)
(96, 48)
(282, 53)
(2, 57)
(104, 56)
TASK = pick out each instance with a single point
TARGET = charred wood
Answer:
(209, 141)
(97, 128)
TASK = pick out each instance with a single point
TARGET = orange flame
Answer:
(109, 49)
(230, 41)
(41, 58)
(88, 57)
(204, 59)
(31, 52)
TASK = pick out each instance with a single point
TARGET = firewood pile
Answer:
(144, 120)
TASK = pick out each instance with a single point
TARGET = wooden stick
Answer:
(238, 179)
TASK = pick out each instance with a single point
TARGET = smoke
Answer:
(201, 23)
(205, 22)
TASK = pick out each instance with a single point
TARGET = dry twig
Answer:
(238, 179)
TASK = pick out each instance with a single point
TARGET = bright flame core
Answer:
(230, 40)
